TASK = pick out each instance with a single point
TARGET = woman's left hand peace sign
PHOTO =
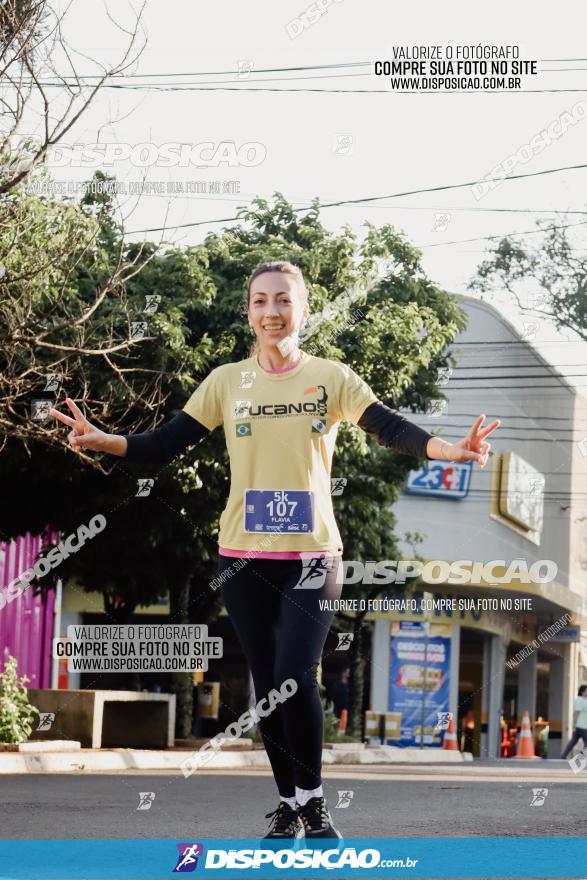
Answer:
(473, 447)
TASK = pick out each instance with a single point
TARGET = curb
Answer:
(90, 760)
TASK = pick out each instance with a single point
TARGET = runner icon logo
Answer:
(46, 720)
(539, 795)
(242, 408)
(344, 641)
(146, 799)
(243, 430)
(444, 719)
(313, 574)
(144, 488)
(188, 857)
(344, 799)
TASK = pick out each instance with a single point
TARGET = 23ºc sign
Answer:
(446, 479)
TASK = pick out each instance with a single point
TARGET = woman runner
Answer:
(280, 409)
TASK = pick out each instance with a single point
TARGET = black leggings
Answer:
(282, 631)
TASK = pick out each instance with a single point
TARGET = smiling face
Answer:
(277, 307)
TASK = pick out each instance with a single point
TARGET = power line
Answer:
(346, 202)
(506, 419)
(303, 90)
(225, 88)
(238, 72)
(294, 69)
(513, 376)
(465, 426)
(530, 386)
(502, 437)
(446, 422)
(492, 366)
(518, 387)
(343, 65)
(192, 197)
(508, 366)
(502, 235)
(473, 210)
(505, 342)
(544, 376)
(439, 423)
(492, 389)
(475, 415)
(194, 86)
(549, 496)
(558, 375)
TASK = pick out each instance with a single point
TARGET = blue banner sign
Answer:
(420, 671)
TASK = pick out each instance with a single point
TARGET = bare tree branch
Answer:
(24, 19)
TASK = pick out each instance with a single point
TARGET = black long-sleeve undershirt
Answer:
(167, 441)
(163, 444)
(390, 428)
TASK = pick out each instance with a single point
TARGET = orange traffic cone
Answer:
(525, 747)
(343, 721)
(450, 737)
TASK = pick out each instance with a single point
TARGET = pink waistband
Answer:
(279, 554)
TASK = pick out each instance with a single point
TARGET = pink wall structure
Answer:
(26, 623)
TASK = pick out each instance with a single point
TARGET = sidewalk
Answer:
(67, 757)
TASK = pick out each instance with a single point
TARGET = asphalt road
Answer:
(481, 799)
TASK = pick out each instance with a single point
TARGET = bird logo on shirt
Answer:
(321, 401)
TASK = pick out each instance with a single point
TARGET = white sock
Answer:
(290, 801)
(303, 795)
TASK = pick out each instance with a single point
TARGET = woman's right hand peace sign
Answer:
(83, 434)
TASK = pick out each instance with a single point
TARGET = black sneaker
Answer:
(286, 823)
(316, 819)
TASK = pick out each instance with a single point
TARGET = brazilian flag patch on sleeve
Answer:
(243, 430)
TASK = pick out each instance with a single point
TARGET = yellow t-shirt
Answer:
(280, 431)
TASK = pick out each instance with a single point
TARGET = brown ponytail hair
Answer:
(286, 268)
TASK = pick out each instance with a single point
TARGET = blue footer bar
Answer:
(416, 858)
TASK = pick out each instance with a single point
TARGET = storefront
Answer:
(480, 665)
(518, 528)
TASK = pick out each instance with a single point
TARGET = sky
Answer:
(351, 145)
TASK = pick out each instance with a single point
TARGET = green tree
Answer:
(545, 275)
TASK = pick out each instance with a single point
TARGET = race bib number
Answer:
(283, 510)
